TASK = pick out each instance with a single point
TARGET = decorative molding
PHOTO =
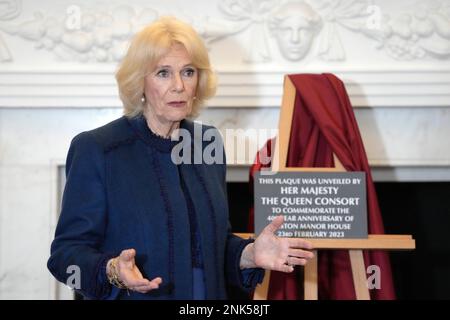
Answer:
(97, 88)
(402, 57)
(100, 33)
(9, 10)
(96, 36)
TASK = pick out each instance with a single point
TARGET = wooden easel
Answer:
(355, 246)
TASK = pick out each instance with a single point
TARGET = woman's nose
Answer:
(178, 84)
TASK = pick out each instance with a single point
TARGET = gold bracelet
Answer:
(113, 275)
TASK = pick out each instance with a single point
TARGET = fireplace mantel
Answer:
(81, 87)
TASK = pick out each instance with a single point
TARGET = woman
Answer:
(140, 225)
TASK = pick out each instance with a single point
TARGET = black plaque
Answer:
(314, 204)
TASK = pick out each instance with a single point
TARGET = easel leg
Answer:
(311, 291)
(359, 275)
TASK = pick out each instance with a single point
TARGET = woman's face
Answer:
(171, 87)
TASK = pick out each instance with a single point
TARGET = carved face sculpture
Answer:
(294, 26)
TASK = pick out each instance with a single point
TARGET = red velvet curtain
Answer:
(323, 123)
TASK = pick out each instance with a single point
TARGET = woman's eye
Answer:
(189, 72)
(163, 73)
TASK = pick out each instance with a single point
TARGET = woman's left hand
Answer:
(273, 253)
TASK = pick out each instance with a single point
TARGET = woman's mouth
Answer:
(177, 104)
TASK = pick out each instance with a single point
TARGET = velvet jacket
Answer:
(123, 191)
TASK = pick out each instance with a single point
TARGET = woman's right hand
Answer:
(130, 275)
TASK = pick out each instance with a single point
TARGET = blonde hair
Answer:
(147, 47)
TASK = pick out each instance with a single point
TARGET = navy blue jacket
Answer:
(123, 191)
